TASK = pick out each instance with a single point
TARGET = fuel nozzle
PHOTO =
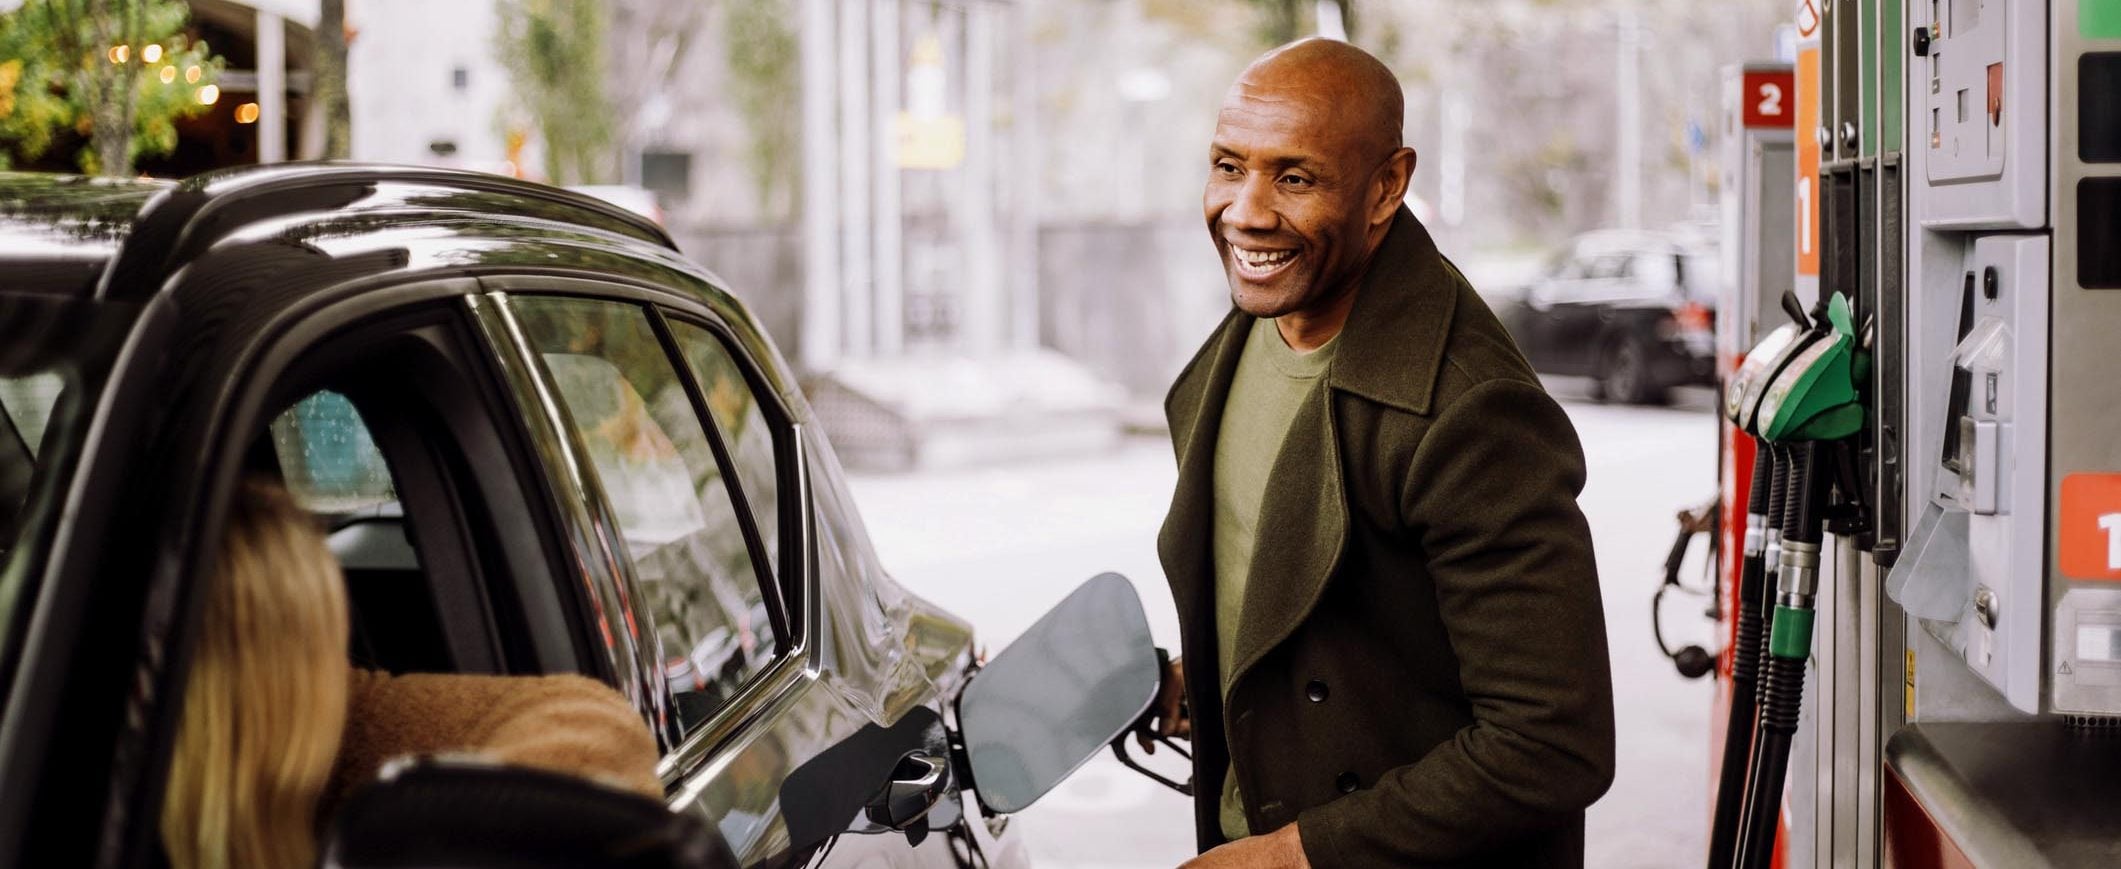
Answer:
(1808, 410)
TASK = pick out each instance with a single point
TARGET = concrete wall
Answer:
(1131, 300)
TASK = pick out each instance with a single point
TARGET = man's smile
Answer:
(1258, 264)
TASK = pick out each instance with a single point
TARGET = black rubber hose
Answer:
(1745, 667)
(1778, 728)
(1764, 604)
(1797, 457)
(1764, 599)
(1763, 470)
(1805, 518)
(1738, 730)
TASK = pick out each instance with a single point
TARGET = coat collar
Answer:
(1391, 349)
(1390, 352)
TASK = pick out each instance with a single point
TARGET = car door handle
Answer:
(917, 785)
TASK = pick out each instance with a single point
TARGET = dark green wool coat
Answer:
(1421, 674)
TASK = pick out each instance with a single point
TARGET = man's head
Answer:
(1306, 171)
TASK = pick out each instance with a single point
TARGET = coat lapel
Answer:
(1195, 410)
(1389, 352)
(1303, 523)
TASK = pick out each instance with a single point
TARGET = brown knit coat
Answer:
(566, 724)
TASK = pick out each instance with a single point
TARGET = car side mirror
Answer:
(1077, 680)
(466, 814)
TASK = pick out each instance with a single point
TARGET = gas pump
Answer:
(1942, 675)
(1758, 159)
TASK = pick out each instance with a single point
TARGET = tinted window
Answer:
(54, 354)
(681, 526)
(28, 401)
(328, 457)
(1611, 265)
(741, 418)
(26, 405)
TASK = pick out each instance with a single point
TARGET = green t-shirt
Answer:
(1271, 384)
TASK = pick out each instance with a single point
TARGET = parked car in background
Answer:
(541, 442)
(1633, 310)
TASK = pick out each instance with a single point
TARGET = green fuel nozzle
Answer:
(1805, 405)
(1814, 397)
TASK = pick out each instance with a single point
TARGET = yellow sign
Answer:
(1910, 686)
(930, 142)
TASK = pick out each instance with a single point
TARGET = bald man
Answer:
(1394, 653)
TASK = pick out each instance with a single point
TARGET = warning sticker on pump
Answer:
(1907, 691)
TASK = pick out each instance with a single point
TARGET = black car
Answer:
(1633, 310)
(544, 442)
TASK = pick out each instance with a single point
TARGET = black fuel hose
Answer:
(1789, 645)
(1745, 664)
(1764, 604)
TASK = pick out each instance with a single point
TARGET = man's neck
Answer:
(1305, 331)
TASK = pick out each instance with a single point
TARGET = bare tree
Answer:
(330, 91)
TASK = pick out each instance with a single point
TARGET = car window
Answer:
(741, 418)
(328, 457)
(1611, 265)
(1655, 271)
(26, 406)
(681, 526)
(331, 467)
(28, 402)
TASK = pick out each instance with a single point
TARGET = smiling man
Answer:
(1394, 648)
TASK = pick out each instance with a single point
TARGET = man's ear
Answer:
(1392, 181)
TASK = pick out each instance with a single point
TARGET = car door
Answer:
(786, 692)
(1579, 315)
(1557, 311)
(375, 409)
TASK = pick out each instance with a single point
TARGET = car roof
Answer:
(1606, 241)
(57, 232)
(307, 230)
(123, 237)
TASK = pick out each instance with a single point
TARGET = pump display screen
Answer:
(2099, 643)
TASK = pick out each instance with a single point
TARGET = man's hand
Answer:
(1281, 849)
(1172, 718)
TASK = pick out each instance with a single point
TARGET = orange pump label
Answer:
(2089, 526)
(1807, 162)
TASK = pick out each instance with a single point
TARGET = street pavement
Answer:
(999, 545)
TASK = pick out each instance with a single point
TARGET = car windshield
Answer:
(54, 355)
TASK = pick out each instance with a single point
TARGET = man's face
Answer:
(1287, 200)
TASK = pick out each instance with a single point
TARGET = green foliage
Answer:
(1285, 21)
(763, 54)
(63, 73)
(554, 51)
(1281, 21)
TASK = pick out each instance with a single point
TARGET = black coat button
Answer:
(1316, 691)
(1346, 782)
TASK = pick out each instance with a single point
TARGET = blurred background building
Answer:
(999, 191)
(975, 227)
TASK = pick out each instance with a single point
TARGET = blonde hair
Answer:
(265, 703)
